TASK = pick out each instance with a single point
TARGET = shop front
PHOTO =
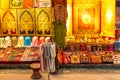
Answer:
(59, 31)
(92, 36)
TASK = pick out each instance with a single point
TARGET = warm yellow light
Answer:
(109, 16)
(69, 19)
(86, 18)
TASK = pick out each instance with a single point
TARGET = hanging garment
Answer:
(21, 41)
(47, 56)
(27, 41)
(7, 41)
(14, 41)
(28, 3)
(53, 56)
(2, 42)
(60, 30)
(42, 58)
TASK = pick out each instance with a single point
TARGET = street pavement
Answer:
(64, 74)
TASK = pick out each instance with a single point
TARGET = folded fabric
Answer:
(28, 3)
(27, 41)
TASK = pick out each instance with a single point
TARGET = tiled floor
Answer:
(73, 74)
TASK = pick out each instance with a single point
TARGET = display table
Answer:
(36, 74)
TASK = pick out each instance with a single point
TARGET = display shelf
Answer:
(19, 55)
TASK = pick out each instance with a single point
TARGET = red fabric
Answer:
(28, 3)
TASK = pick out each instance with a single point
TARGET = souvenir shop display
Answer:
(19, 54)
(68, 32)
(43, 22)
(116, 58)
(8, 22)
(48, 55)
(26, 22)
(98, 52)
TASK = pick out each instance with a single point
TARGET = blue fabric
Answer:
(27, 41)
(116, 46)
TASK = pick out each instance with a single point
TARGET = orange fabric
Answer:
(28, 3)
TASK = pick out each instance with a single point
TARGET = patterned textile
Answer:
(36, 3)
(86, 18)
(28, 3)
(9, 22)
(55, 2)
(43, 21)
(42, 3)
(60, 12)
(4, 4)
(108, 17)
(26, 21)
(16, 3)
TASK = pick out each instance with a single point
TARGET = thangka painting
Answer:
(43, 21)
(16, 3)
(26, 21)
(86, 17)
(8, 22)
